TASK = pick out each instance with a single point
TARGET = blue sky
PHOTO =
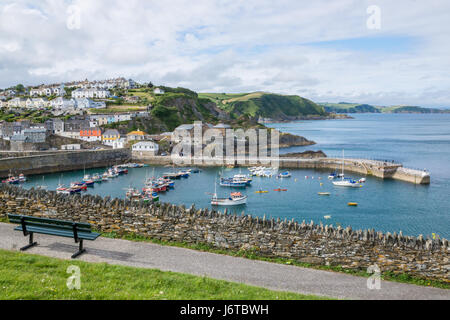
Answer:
(373, 44)
(322, 50)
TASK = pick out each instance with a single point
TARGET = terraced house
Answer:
(91, 134)
(109, 136)
(93, 93)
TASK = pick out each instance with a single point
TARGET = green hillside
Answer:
(344, 107)
(266, 105)
(179, 106)
(411, 109)
(349, 108)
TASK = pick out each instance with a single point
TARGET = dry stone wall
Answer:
(304, 242)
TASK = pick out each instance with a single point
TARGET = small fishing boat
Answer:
(235, 198)
(323, 193)
(76, 188)
(97, 178)
(231, 183)
(11, 180)
(171, 175)
(133, 193)
(242, 178)
(286, 174)
(279, 189)
(184, 174)
(262, 191)
(150, 197)
(77, 184)
(170, 183)
(89, 183)
(353, 204)
(61, 189)
(332, 175)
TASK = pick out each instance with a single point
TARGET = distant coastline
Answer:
(346, 108)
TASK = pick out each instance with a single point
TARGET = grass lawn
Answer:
(27, 276)
(118, 109)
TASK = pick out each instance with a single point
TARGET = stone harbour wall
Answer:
(304, 242)
(63, 161)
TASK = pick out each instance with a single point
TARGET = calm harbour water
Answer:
(420, 141)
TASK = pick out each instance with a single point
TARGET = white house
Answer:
(122, 117)
(61, 103)
(48, 91)
(85, 103)
(36, 103)
(70, 147)
(90, 93)
(17, 103)
(158, 91)
(145, 148)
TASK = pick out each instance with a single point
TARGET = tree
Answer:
(150, 85)
(19, 88)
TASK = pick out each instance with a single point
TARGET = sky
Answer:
(377, 52)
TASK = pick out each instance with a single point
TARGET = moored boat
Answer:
(286, 174)
(231, 183)
(235, 198)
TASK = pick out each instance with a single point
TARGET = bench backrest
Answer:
(49, 223)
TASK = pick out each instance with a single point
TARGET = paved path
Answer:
(258, 273)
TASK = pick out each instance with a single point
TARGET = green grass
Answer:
(254, 255)
(118, 109)
(26, 276)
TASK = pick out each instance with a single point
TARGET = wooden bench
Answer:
(76, 230)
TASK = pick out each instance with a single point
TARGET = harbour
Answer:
(383, 204)
(300, 201)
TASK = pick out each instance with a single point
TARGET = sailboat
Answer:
(42, 186)
(346, 182)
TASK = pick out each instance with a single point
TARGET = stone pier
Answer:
(379, 169)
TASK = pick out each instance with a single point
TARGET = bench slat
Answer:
(52, 226)
(15, 217)
(62, 233)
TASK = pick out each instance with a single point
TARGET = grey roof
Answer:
(111, 132)
(222, 126)
(19, 137)
(185, 127)
(35, 130)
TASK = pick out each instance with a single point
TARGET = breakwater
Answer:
(304, 242)
(379, 169)
(49, 162)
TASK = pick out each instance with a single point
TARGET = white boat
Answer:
(235, 198)
(42, 186)
(286, 174)
(346, 182)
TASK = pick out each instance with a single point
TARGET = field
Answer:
(26, 276)
(118, 109)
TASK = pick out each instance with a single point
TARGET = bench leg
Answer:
(30, 243)
(81, 250)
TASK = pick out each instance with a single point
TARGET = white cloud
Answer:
(235, 46)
